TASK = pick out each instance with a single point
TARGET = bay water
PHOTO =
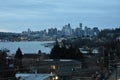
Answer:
(26, 47)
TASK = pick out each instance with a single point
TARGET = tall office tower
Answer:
(68, 25)
(95, 31)
(67, 30)
(80, 25)
(52, 31)
(29, 31)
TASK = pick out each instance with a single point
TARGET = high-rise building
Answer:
(95, 31)
(87, 31)
(29, 31)
(80, 25)
(67, 31)
(52, 31)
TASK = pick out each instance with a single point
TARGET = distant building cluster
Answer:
(66, 32)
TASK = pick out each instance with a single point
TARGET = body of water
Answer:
(26, 47)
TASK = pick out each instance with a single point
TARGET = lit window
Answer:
(55, 78)
(53, 67)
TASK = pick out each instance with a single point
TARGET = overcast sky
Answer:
(19, 15)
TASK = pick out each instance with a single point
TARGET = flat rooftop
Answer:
(64, 60)
(27, 76)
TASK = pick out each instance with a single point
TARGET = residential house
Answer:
(30, 59)
(64, 68)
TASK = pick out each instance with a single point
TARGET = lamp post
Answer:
(116, 73)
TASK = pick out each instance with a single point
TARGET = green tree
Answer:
(18, 58)
(18, 54)
(4, 67)
(3, 55)
(55, 51)
(65, 52)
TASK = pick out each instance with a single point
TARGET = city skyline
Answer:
(17, 16)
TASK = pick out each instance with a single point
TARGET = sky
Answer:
(19, 15)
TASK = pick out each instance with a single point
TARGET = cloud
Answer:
(4, 30)
(15, 13)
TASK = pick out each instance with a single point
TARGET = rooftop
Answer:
(64, 60)
(32, 55)
(26, 76)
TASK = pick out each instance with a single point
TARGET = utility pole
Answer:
(109, 60)
(116, 72)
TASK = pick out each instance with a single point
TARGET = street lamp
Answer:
(55, 78)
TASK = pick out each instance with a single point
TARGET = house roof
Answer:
(27, 76)
(60, 62)
(31, 56)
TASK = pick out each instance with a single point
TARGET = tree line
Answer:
(7, 72)
(65, 52)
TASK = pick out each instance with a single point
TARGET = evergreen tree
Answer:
(18, 54)
(3, 59)
(18, 58)
(64, 52)
(4, 67)
(55, 51)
